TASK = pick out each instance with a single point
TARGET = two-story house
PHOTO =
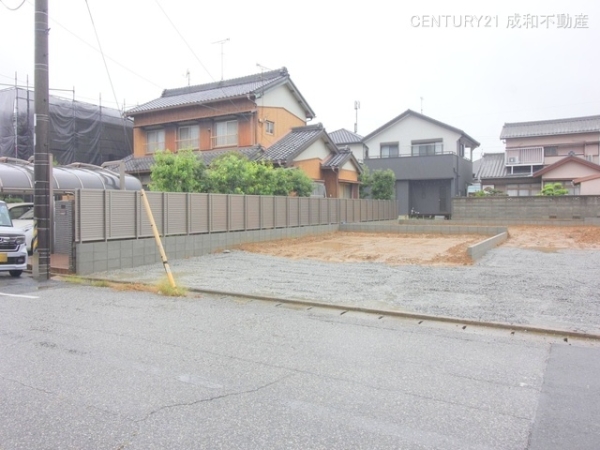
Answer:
(431, 161)
(562, 151)
(243, 114)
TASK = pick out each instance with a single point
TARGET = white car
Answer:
(13, 250)
(25, 223)
(16, 210)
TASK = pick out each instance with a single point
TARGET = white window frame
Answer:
(155, 140)
(269, 127)
(192, 142)
(229, 137)
(428, 148)
(388, 146)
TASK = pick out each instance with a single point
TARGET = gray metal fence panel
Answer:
(363, 211)
(313, 211)
(218, 212)
(177, 213)
(104, 215)
(333, 205)
(236, 212)
(324, 211)
(252, 212)
(304, 211)
(267, 212)
(280, 212)
(92, 215)
(293, 211)
(155, 200)
(121, 204)
(63, 227)
(356, 210)
(199, 213)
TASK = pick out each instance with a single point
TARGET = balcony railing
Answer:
(526, 156)
(225, 140)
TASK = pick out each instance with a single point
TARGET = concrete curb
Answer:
(385, 312)
(477, 251)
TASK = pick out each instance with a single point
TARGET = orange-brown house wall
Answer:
(284, 121)
(311, 167)
(250, 131)
(196, 112)
(349, 175)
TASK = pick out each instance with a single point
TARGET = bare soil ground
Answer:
(423, 249)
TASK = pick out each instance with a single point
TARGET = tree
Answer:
(366, 180)
(554, 189)
(177, 172)
(233, 173)
(378, 184)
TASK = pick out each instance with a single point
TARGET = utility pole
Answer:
(41, 199)
(356, 108)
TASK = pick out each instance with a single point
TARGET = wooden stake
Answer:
(163, 255)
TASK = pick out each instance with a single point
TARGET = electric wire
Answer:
(13, 9)
(108, 72)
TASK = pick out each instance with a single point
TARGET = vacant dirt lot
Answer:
(429, 249)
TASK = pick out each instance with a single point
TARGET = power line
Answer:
(12, 9)
(108, 57)
(184, 40)
(106, 67)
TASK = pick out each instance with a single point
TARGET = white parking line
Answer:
(16, 295)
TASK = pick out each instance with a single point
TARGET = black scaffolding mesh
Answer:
(79, 132)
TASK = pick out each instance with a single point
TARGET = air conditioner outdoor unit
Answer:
(513, 159)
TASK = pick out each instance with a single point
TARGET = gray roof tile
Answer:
(343, 136)
(492, 165)
(220, 90)
(551, 127)
(293, 143)
(337, 160)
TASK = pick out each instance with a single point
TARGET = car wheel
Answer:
(15, 273)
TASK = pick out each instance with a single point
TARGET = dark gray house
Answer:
(432, 162)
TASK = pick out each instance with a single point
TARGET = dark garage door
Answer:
(430, 197)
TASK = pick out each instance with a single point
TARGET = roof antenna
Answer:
(222, 42)
(262, 68)
(421, 104)
(356, 108)
(188, 76)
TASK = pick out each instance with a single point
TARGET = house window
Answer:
(550, 151)
(270, 127)
(427, 148)
(225, 133)
(389, 150)
(188, 137)
(155, 140)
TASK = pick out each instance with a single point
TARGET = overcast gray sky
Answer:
(475, 64)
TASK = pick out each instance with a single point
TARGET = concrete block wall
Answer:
(539, 209)
(91, 257)
(423, 227)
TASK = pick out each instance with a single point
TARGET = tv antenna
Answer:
(222, 42)
(421, 104)
(262, 68)
(356, 108)
(188, 76)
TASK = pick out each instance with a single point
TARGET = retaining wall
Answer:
(537, 209)
(93, 257)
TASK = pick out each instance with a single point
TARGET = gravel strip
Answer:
(510, 285)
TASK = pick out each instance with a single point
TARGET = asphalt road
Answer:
(93, 368)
